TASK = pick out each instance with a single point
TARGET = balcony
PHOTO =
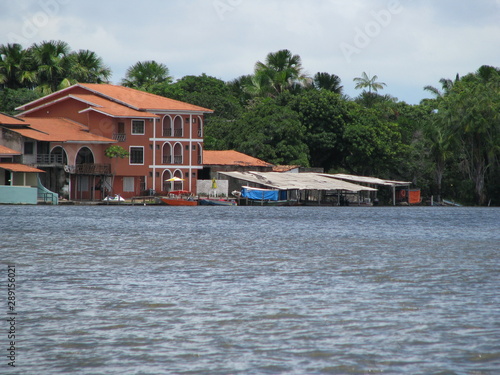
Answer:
(49, 160)
(167, 132)
(120, 137)
(89, 169)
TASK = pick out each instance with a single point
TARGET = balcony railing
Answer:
(177, 159)
(167, 132)
(167, 159)
(178, 132)
(49, 159)
(89, 169)
(120, 137)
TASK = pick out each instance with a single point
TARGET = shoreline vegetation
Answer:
(448, 146)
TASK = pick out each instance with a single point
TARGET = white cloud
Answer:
(423, 42)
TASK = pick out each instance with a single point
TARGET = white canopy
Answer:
(367, 180)
(297, 181)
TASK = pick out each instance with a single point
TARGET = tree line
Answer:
(449, 145)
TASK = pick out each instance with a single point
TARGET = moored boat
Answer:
(179, 198)
(179, 202)
(216, 202)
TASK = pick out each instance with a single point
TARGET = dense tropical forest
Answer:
(448, 146)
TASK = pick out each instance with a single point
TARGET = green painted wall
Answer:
(18, 195)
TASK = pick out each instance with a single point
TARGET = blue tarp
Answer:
(260, 194)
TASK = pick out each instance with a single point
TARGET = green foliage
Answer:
(11, 99)
(372, 143)
(448, 146)
(267, 131)
(324, 116)
(327, 81)
(116, 151)
(282, 71)
(145, 75)
(468, 116)
(204, 91)
(370, 83)
(49, 66)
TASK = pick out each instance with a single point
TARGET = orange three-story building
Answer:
(75, 126)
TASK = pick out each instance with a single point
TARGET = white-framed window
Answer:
(138, 127)
(136, 155)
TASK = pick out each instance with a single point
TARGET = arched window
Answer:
(58, 156)
(199, 152)
(167, 126)
(85, 156)
(179, 183)
(178, 127)
(200, 127)
(178, 153)
(167, 153)
(166, 185)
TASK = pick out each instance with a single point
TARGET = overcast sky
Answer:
(408, 44)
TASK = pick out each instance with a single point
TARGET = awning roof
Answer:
(367, 180)
(13, 167)
(59, 130)
(232, 157)
(5, 151)
(10, 120)
(297, 181)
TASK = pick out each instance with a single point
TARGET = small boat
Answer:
(251, 196)
(179, 202)
(116, 198)
(179, 198)
(216, 202)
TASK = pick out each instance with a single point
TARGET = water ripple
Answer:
(251, 290)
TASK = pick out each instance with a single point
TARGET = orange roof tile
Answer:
(110, 108)
(8, 151)
(284, 168)
(231, 157)
(9, 120)
(59, 130)
(13, 167)
(121, 96)
(140, 99)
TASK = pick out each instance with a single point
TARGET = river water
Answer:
(252, 290)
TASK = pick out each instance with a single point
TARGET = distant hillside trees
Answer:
(449, 146)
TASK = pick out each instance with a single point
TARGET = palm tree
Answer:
(446, 84)
(51, 65)
(440, 149)
(366, 82)
(280, 72)
(13, 60)
(89, 68)
(330, 82)
(258, 86)
(144, 75)
(239, 88)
